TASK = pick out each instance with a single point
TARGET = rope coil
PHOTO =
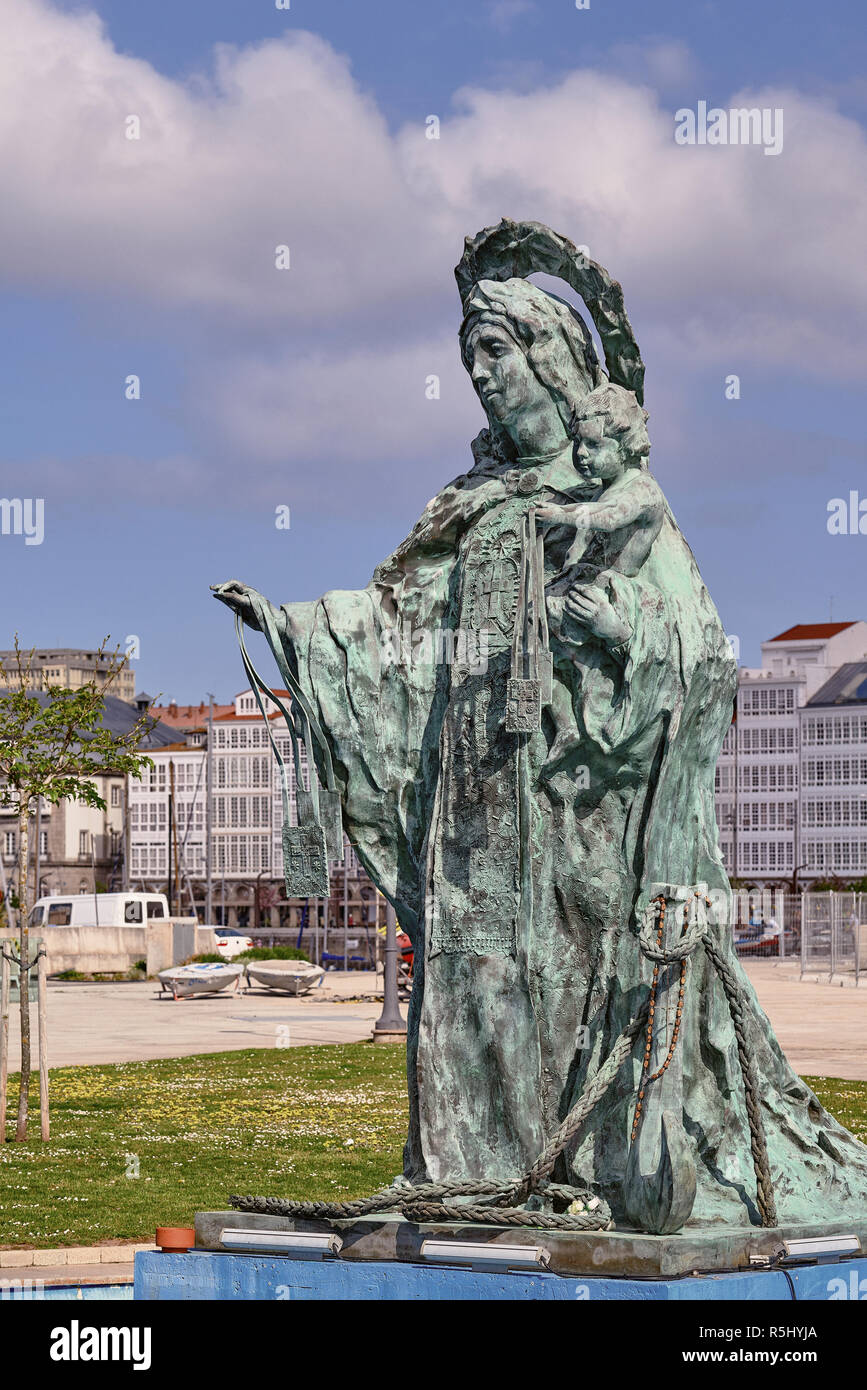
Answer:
(432, 1202)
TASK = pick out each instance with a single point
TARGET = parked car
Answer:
(231, 942)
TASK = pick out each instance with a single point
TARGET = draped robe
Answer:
(521, 891)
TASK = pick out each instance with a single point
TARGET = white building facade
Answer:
(770, 780)
(181, 765)
(834, 776)
(246, 826)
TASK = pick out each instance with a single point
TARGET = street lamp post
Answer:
(801, 923)
(209, 773)
(390, 1027)
(257, 902)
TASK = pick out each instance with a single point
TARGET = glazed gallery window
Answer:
(766, 740)
(768, 815)
(778, 700)
(780, 778)
(840, 772)
(835, 730)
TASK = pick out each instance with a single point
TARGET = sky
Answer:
(265, 388)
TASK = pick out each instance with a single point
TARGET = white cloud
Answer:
(280, 144)
(727, 258)
(751, 254)
(345, 426)
(277, 145)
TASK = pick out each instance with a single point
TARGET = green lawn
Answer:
(845, 1100)
(325, 1122)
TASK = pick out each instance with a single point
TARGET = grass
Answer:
(326, 1122)
(316, 1122)
(845, 1100)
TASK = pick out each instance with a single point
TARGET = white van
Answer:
(99, 909)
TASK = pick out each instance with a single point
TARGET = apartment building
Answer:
(75, 848)
(71, 668)
(834, 776)
(767, 793)
(177, 779)
(247, 819)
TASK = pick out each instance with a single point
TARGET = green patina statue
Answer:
(530, 802)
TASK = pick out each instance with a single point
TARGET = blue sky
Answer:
(416, 54)
(261, 388)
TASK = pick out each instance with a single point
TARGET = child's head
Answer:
(610, 433)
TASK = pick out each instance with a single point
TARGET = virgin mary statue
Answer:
(520, 854)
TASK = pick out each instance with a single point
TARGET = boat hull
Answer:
(285, 976)
(184, 980)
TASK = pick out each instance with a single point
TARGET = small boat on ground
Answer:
(288, 976)
(206, 977)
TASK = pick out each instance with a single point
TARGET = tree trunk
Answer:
(24, 953)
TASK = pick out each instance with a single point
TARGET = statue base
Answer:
(248, 1255)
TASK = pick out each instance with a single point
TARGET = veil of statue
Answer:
(583, 1046)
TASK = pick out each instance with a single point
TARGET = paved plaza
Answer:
(130, 1022)
(821, 1027)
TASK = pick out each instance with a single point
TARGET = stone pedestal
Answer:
(389, 1035)
(207, 1275)
(382, 1256)
(616, 1254)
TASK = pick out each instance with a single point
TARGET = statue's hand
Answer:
(590, 606)
(563, 516)
(238, 597)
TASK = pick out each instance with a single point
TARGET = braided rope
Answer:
(592, 1095)
(386, 1199)
(432, 1202)
(693, 934)
(758, 1144)
(597, 1220)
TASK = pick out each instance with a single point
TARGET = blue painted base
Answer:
(206, 1275)
(30, 1291)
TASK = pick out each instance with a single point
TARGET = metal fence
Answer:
(826, 932)
(834, 939)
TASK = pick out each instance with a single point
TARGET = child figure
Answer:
(614, 532)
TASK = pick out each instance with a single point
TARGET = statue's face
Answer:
(594, 454)
(506, 384)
